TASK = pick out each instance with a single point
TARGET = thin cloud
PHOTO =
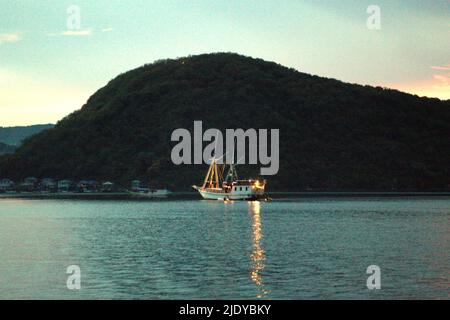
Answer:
(9, 38)
(72, 33)
(444, 68)
(107, 29)
(443, 79)
(77, 33)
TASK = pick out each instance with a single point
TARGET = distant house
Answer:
(6, 185)
(48, 185)
(29, 184)
(135, 185)
(31, 180)
(88, 186)
(66, 186)
(108, 187)
(138, 186)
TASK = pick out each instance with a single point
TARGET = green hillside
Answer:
(333, 135)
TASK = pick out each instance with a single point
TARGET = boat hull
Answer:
(159, 193)
(220, 194)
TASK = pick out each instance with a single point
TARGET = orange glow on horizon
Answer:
(437, 86)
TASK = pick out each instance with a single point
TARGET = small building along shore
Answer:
(66, 186)
(50, 185)
(6, 185)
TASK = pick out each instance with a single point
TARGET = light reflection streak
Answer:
(257, 256)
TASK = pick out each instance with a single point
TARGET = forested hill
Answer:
(333, 135)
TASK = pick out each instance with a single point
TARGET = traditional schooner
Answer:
(218, 187)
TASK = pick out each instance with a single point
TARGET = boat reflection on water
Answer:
(257, 256)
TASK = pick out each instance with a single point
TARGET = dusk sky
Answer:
(48, 70)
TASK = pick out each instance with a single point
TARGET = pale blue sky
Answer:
(46, 73)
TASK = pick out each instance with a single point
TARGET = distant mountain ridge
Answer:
(333, 135)
(15, 135)
(6, 148)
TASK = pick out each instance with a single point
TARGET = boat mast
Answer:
(214, 176)
(232, 174)
(208, 174)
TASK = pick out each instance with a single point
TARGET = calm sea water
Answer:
(185, 249)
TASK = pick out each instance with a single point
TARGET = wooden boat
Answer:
(152, 193)
(218, 187)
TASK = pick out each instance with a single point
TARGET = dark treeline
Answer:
(333, 135)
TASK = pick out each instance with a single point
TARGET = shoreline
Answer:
(194, 195)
